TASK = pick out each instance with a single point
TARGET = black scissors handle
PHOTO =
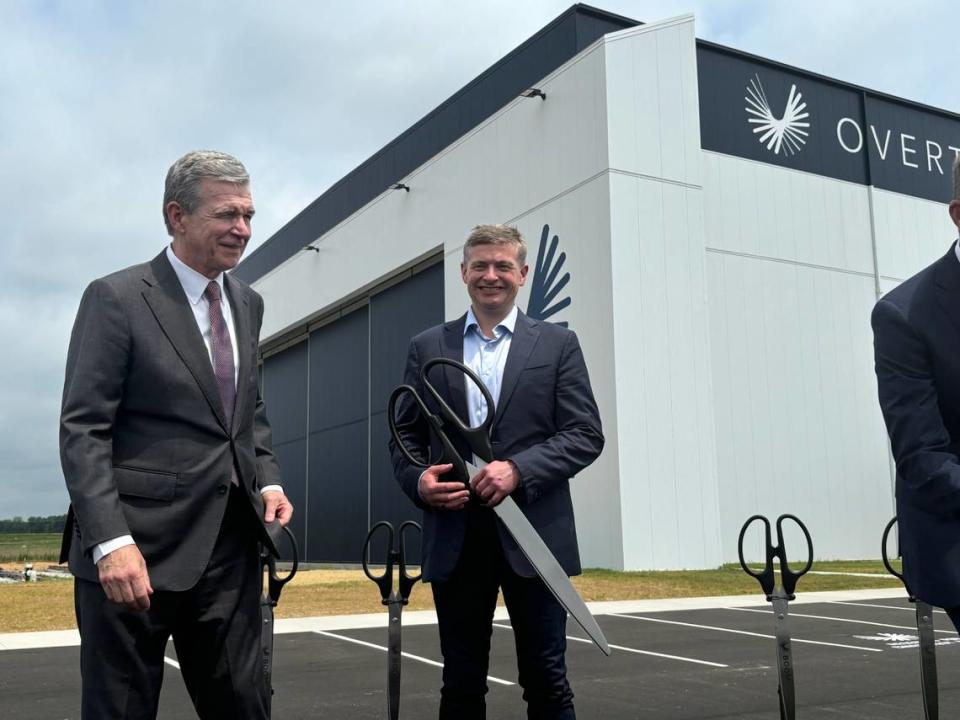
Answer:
(268, 562)
(477, 437)
(448, 453)
(396, 555)
(766, 577)
(886, 557)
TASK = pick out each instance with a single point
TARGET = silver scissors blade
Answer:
(546, 565)
(784, 655)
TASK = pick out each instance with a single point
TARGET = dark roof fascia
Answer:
(829, 80)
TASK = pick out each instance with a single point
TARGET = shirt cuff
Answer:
(105, 548)
(271, 488)
(420, 494)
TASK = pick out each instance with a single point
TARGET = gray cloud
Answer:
(100, 97)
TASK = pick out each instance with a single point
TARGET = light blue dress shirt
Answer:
(486, 357)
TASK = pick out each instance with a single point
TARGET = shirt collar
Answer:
(508, 323)
(194, 284)
(956, 249)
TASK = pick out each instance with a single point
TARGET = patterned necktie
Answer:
(223, 367)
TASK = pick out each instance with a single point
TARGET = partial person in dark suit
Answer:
(546, 429)
(166, 453)
(916, 331)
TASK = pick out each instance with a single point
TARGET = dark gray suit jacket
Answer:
(144, 444)
(547, 424)
(916, 330)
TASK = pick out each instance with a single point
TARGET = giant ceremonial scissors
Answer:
(271, 596)
(928, 652)
(780, 596)
(478, 440)
(393, 599)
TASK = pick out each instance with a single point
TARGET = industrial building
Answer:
(716, 228)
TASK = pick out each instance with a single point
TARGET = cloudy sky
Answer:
(98, 98)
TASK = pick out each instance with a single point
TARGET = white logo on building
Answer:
(786, 134)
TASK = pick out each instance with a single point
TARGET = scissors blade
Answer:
(393, 658)
(266, 640)
(546, 565)
(928, 661)
(784, 656)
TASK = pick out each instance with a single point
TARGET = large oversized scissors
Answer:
(780, 596)
(269, 599)
(928, 652)
(516, 523)
(394, 600)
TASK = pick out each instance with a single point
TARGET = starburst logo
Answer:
(787, 134)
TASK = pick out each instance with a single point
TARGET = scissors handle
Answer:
(407, 581)
(886, 557)
(275, 582)
(765, 577)
(477, 437)
(788, 575)
(448, 453)
(384, 580)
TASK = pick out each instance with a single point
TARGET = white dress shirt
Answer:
(194, 285)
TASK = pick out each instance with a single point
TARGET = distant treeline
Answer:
(49, 524)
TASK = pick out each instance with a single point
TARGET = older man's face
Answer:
(212, 238)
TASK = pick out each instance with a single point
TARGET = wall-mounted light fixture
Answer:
(534, 92)
(399, 186)
(311, 247)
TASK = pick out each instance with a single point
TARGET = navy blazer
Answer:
(916, 331)
(546, 423)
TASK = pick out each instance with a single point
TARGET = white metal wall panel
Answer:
(668, 484)
(669, 490)
(911, 233)
(763, 210)
(798, 426)
(654, 121)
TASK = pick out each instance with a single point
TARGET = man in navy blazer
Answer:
(916, 329)
(546, 429)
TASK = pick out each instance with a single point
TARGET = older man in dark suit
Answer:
(545, 430)
(916, 329)
(167, 456)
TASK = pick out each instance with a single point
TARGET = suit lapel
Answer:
(525, 336)
(168, 301)
(240, 307)
(451, 346)
(947, 278)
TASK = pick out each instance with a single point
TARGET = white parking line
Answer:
(742, 632)
(638, 652)
(424, 660)
(846, 620)
(885, 607)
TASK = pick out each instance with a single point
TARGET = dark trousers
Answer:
(465, 605)
(954, 615)
(215, 628)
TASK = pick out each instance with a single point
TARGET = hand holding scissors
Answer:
(393, 599)
(779, 595)
(478, 441)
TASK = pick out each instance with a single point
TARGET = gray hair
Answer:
(183, 178)
(496, 235)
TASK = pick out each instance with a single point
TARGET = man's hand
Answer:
(276, 506)
(445, 495)
(123, 575)
(495, 481)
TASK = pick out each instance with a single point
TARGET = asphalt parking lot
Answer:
(855, 656)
